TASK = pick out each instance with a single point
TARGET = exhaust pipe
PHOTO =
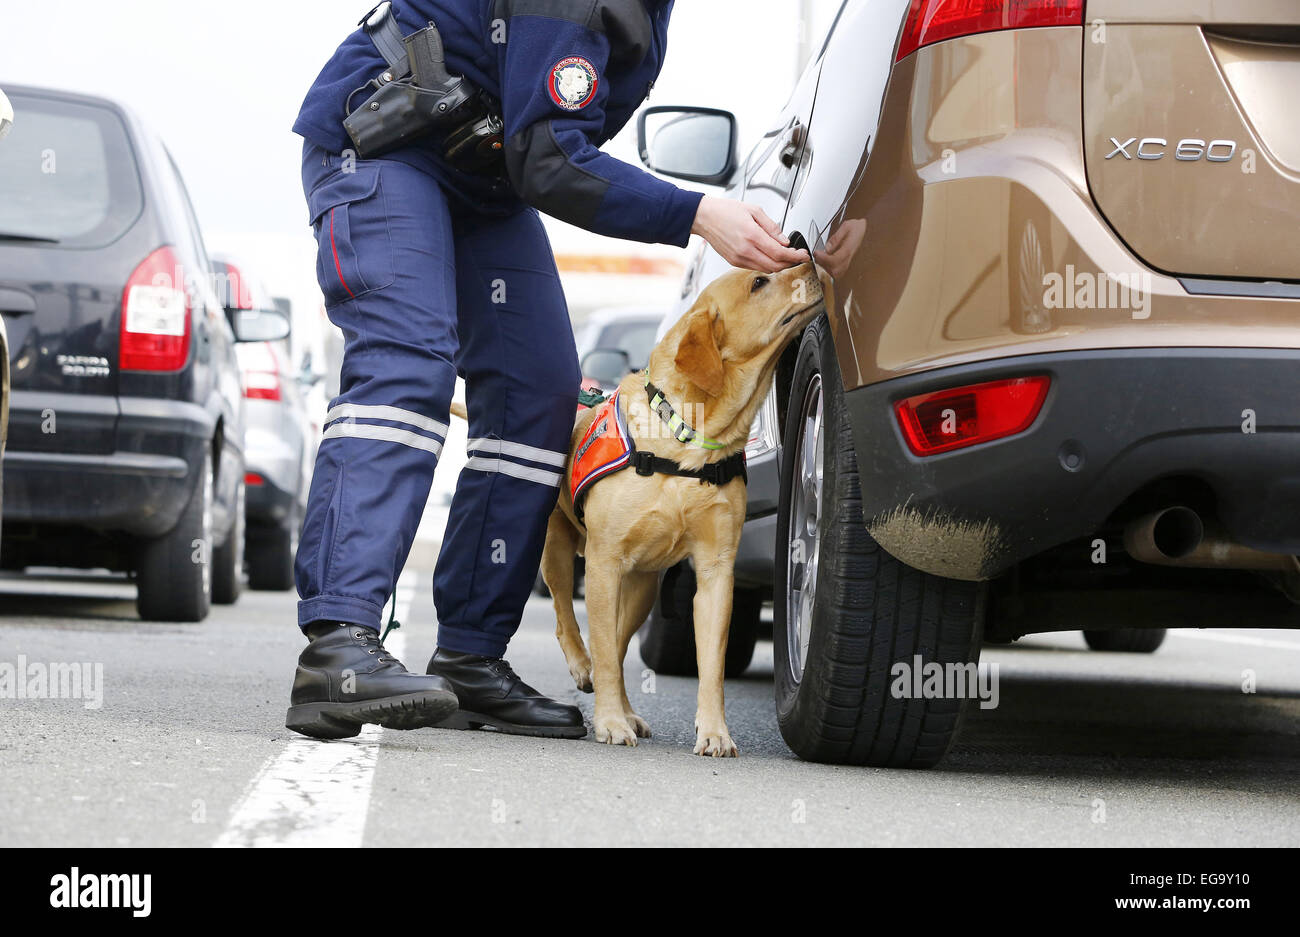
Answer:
(1179, 536)
(1165, 536)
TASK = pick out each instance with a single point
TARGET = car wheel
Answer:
(668, 635)
(174, 572)
(228, 559)
(1126, 640)
(271, 554)
(847, 611)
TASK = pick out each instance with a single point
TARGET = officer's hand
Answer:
(745, 236)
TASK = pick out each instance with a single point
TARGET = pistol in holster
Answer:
(417, 96)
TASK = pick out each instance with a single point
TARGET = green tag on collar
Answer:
(681, 430)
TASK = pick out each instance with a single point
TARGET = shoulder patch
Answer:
(572, 83)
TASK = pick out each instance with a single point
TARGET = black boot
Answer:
(346, 678)
(491, 694)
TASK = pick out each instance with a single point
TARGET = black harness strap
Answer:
(647, 463)
(714, 473)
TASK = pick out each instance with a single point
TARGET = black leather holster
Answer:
(416, 96)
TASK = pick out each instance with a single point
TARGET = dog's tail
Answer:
(458, 411)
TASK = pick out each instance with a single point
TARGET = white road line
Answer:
(1246, 639)
(316, 794)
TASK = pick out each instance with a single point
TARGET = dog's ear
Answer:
(699, 359)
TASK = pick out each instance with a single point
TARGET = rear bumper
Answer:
(267, 503)
(278, 460)
(1113, 422)
(140, 489)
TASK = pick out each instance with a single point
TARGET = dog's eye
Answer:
(759, 283)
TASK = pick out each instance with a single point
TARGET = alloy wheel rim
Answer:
(803, 544)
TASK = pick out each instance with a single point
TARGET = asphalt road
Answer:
(188, 748)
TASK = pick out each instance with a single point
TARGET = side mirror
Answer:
(253, 316)
(608, 366)
(258, 325)
(697, 144)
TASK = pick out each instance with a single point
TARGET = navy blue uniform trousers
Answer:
(425, 288)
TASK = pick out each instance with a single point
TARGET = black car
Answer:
(126, 435)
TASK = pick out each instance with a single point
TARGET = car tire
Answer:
(836, 646)
(228, 559)
(271, 554)
(174, 571)
(1126, 640)
(668, 635)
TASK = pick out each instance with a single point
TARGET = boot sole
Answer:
(344, 720)
(464, 720)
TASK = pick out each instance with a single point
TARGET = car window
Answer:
(635, 337)
(68, 174)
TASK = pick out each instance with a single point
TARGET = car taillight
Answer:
(261, 368)
(155, 333)
(237, 293)
(253, 480)
(261, 385)
(930, 21)
(966, 416)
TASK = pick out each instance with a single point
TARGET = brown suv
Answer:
(1058, 384)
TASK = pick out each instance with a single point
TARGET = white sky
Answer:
(222, 82)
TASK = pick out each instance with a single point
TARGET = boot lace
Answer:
(371, 641)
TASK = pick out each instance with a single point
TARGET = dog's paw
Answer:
(615, 731)
(639, 725)
(581, 673)
(716, 745)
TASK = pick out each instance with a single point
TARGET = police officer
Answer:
(434, 262)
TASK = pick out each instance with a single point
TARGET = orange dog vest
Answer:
(606, 448)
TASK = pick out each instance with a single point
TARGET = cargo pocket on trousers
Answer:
(354, 250)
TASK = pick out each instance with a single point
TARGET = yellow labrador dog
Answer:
(706, 380)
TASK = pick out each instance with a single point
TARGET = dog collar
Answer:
(682, 431)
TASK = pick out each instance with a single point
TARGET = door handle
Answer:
(793, 146)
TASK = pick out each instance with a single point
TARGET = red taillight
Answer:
(253, 480)
(155, 332)
(237, 294)
(965, 416)
(262, 366)
(931, 21)
(261, 385)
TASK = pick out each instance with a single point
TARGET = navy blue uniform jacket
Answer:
(568, 73)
